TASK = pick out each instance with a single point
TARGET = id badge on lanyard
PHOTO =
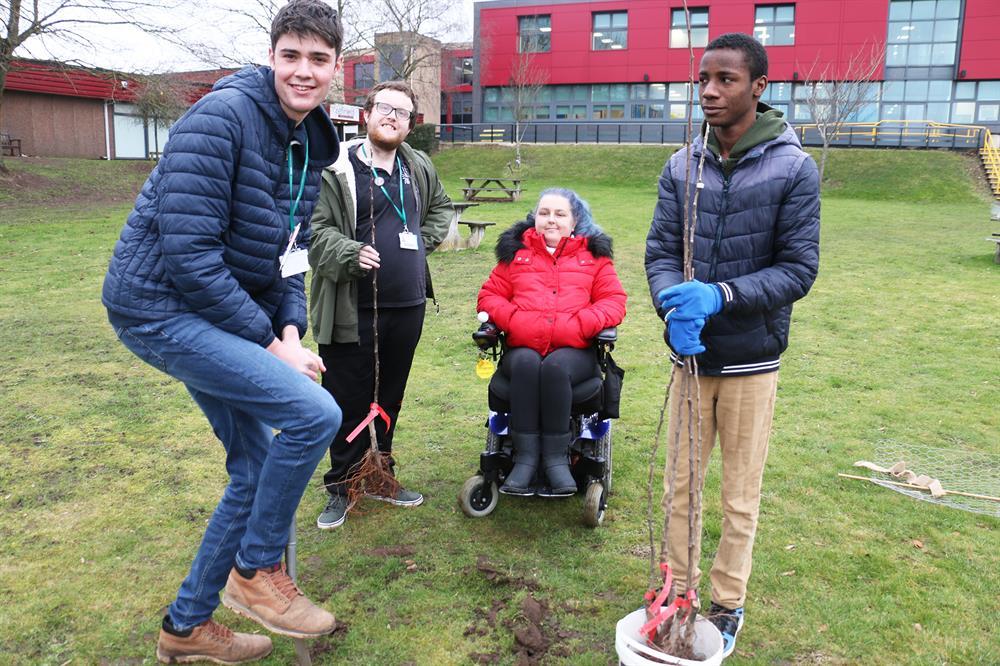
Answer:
(295, 260)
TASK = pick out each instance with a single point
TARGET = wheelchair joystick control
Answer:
(483, 317)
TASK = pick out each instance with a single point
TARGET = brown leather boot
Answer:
(211, 641)
(272, 599)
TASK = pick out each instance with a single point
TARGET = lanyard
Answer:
(401, 208)
(302, 184)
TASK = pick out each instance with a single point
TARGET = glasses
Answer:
(387, 109)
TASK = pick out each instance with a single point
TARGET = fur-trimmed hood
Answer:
(510, 241)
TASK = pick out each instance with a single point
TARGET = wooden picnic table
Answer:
(496, 189)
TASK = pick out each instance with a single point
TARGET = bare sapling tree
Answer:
(837, 97)
(70, 23)
(162, 97)
(406, 36)
(230, 46)
(671, 616)
(524, 88)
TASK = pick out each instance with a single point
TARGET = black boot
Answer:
(527, 447)
(555, 462)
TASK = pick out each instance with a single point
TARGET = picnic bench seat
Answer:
(9, 146)
(477, 231)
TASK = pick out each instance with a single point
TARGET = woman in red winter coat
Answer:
(553, 290)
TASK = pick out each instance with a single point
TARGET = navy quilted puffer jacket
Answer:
(757, 237)
(212, 219)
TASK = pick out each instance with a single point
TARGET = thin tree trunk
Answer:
(822, 160)
(5, 62)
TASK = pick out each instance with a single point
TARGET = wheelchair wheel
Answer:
(478, 497)
(492, 441)
(604, 449)
(594, 504)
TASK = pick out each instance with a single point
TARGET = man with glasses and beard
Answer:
(381, 209)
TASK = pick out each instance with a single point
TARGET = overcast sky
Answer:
(129, 49)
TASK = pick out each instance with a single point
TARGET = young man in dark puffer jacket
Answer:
(206, 284)
(755, 252)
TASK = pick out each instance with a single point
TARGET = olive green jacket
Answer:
(333, 251)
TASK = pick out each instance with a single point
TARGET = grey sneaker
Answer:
(403, 497)
(334, 514)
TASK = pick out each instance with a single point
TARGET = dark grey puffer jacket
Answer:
(757, 237)
(213, 217)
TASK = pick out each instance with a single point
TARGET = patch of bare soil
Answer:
(14, 181)
(63, 186)
(328, 643)
(535, 627)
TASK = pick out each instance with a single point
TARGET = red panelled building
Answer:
(629, 61)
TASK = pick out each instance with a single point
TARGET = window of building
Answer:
(965, 90)
(364, 75)
(461, 71)
(963, 112)
(534, 33)
(777, 94)
(392, 63)
(774, 25)
(922, 33)
(461, 109)
(699, 28)
(574, 112)
(608, 111)
(989, 113)
(610, 31)
(572, 93)
(989, 90)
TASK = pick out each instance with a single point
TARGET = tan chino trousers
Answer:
(739, 410)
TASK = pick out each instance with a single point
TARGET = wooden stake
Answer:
(915, 487)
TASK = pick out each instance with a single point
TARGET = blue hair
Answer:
(584, 219)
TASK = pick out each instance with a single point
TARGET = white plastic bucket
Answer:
(634, 651)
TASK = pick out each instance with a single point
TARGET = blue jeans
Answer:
(245, 391)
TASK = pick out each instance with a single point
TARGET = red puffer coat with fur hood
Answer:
(546, 301)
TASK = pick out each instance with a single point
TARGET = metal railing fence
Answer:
(884, 133)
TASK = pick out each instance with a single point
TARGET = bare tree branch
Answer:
(525, 84)
(60, 19)
(834, 100)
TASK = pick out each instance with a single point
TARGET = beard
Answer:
(383, 142)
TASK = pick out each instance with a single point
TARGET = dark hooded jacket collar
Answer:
(257, 83)
(512, 240)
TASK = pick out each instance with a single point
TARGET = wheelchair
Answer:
(590, 452)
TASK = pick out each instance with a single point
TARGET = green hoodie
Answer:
(769, 125)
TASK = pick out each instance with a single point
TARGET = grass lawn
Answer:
(109, 472)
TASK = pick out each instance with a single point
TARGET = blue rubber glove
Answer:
(691, 300)
(684, 335)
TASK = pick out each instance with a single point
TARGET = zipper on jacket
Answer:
(724, 210)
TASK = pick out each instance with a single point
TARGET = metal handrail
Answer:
(990, 155)
(922, 128)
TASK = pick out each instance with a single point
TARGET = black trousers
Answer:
(541, 388)
(350, 379)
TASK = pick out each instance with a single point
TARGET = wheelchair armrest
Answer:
(608, 335)
(486, 336)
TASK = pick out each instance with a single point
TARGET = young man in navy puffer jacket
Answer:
(755, 252)
(206, 284)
